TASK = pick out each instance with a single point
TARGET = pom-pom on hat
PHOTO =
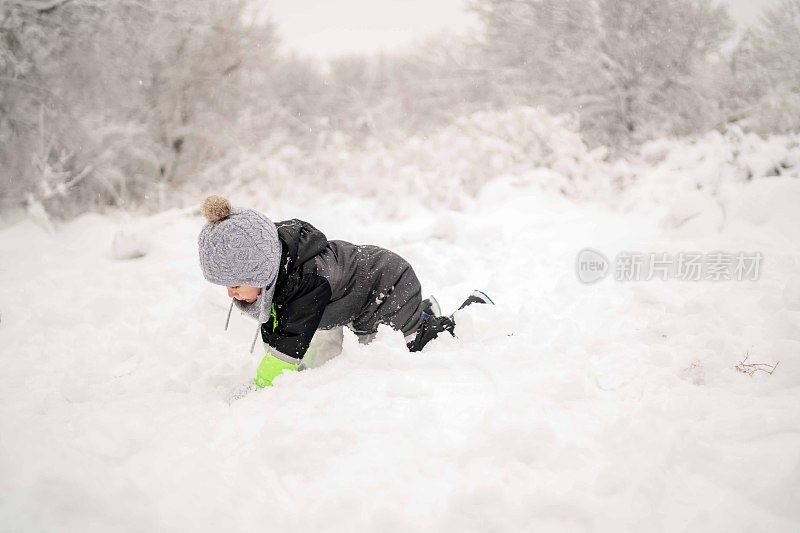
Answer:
(215, 208)
(240, 247)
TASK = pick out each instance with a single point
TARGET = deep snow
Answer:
(606, 407)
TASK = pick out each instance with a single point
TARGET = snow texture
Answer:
(566, 407)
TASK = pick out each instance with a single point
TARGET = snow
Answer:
(565, 407)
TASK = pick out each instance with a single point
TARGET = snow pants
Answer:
(370, 285)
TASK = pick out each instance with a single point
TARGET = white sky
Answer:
(326, 28)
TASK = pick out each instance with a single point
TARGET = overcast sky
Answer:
(326, 28)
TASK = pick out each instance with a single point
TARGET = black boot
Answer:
(432, 324)
(477, 297)
(430, 307)
(429, 329)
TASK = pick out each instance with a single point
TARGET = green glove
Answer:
(270, 368)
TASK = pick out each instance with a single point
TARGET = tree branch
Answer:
(21, 83)
(42, 6)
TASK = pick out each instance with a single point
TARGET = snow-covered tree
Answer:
(103, 102)
(630, 70)
(766, 70)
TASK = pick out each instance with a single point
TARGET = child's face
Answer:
(244, 292)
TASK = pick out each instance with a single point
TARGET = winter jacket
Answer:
(323, 284)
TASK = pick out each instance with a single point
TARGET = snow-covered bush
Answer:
(440, 169)
(708, 161)
(526, 145)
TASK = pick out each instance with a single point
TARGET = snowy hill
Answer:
(613, 406)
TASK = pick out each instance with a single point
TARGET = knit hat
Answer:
(240, 247)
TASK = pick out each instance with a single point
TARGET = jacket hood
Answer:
(301, 242)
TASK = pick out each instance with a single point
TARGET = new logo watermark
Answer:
(592, 265)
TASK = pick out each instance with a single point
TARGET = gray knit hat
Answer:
(240, 247)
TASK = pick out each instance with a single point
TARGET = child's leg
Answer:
(394, 297)
(325, 345)
(403, 306)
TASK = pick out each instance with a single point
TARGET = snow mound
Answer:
(128, 244)
(564, 407)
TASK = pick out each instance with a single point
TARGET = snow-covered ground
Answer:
(614, 406)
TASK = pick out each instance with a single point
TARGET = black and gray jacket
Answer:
(323, 284)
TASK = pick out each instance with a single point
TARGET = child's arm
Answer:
(292, 327)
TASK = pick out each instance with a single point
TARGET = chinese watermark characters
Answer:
(591, 266)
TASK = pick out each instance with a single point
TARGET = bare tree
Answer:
(630, 70)
(765, 71)
(102, 101)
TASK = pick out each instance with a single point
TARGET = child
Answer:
(293, 281)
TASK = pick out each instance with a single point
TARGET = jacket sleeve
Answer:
(297, 319)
